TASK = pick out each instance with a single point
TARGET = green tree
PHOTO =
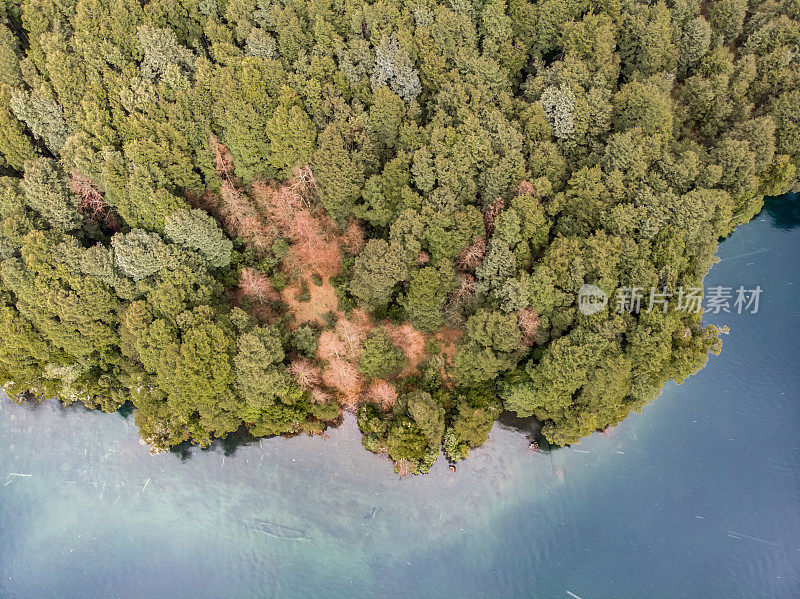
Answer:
(380, 358)
(291, 137)
(476, 411)
(46, 192)
(488, 347)
(406, 440)
(727, 18)
(140, 254)
(43, 116)
(394, 67)
(498, 266)
(161, 51)
(340, 173)
(198, 231)
(426, 296)
(428, 413)
(695, 41)
(261, 378)
(378, 268)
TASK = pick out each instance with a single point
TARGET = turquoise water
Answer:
(699, 496)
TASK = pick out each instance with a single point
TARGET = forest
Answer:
(256, 215)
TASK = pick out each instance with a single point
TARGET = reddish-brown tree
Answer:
(353, 334)
(490, 215)
(303, 181)
(382, 393)
(306, 374)
(526, 188)
(344, 378)
(255, 285)
(208, 201)
(409, 340)
(471, 256)
(528, 322)
(403, 467)
(353, 239)
(234, 208)
(330, 346)
(92, 203)
(278, 204)
(223, 160)
(320, 396)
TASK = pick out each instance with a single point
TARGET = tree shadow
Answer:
(229, 444)
(784, 210)
(529, 426)
(126, 409)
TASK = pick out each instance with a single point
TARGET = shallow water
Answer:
(699, 496)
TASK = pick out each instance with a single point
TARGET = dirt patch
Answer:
(323, 300)
(448, 338)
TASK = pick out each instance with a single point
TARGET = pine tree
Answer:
(46, 191)
(198, 231)
(43, 116)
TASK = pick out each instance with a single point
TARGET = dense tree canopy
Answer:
(260, 214)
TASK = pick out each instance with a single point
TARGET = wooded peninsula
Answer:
(258, 214)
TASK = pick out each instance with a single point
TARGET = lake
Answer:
(698, 496)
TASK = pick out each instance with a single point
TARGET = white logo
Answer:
(591, 299)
